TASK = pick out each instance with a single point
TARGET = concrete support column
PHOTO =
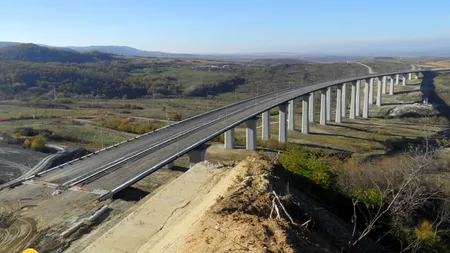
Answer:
(196, 155)
(391, 87)
(404, 80)
(229, 138)
(323, 107)
(311, 107)
(291, 115)
(397, 79)
(251, 138)
(338, 116)
(379, 90)
(371, 91)
(266, 125)
(353, 101)
(383, 84)
(417, 75)
(305, 114)
(282, 126)
(328, 103)
(170, 165)
(358, 99)
(366, 99)
(410, 76)
(344, 98)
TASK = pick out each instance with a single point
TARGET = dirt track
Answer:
(20, 232)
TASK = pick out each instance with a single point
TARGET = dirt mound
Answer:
(241, 220)
(414, 110)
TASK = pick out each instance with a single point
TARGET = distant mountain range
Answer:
(258, 58)
(331, 53)
(122, 50)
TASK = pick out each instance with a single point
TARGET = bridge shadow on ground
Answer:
(428, 89)
(131, 194)
(408, 103)
(406, 92)
(344, 136)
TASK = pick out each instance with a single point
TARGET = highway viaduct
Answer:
(115, 168)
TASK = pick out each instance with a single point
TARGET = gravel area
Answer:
(15, 161)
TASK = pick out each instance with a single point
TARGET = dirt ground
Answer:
(211, 208)
(161, 220)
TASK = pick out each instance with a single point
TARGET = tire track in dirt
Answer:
(19, 233)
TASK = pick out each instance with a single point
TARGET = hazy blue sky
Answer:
(222, 26)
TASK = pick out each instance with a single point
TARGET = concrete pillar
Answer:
(328, 104)
(291, 115)
(282, 126)
(379, 89)
(323, 107)
(366, 99)
(338, 116)
(305, 114)
(196, 155)
(417, 75)
(251, 138)
(358, 99)
(391, 87)
(404, 80)
(383, 84)
(311, 107)
(353, 101)
(371, 91)
(410, 76)
(170, 165)
(397, 79)
(344, 97)
(229, 138)
(266, 125)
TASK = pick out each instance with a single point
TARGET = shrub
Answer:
(273, 144)
(27, 143)
(21, 115)
(176, 116)
(426, 233)
(128, 125)
(300, 161)
(371, 197)
(295, 160)
(319, 172)
(38, 143)
(219, 138)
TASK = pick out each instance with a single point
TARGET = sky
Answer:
(224, 26)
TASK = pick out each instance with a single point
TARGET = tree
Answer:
(38, 143)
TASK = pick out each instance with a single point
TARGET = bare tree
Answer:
(403, 189)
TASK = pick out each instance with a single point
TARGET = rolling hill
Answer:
(36, 53)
